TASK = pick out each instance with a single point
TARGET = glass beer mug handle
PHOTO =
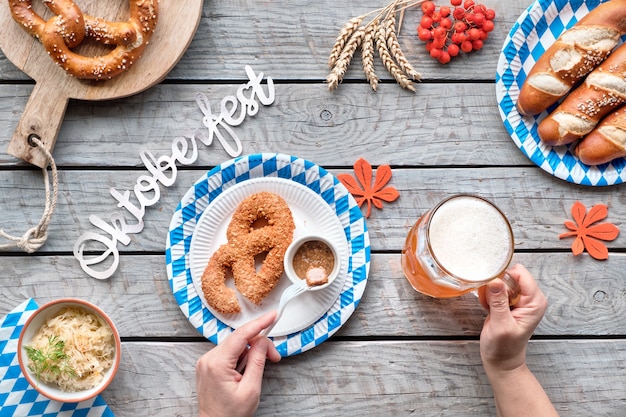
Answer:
(513, 289)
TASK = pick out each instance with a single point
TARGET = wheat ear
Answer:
(344, 35)
(396, 51)
(388, 62)
(367, 56)
(343, 62)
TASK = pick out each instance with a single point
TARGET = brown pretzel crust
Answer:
(69, 27)
(66, 12)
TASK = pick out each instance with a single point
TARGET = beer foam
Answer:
(470, 238)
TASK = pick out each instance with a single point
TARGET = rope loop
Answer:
(35, 237)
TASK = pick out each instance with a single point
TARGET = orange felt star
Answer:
(588, 234)
(372, 194)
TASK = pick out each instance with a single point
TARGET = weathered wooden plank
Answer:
(294, 42)
(394, 127)
(586, 297)
(378, 378)
(536, 204)
(400, 353)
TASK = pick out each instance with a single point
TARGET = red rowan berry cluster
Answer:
(450, 30)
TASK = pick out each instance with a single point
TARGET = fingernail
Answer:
(495, 289)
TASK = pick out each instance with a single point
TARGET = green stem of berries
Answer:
(448, 31)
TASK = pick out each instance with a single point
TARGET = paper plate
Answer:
(187, 217)
(535, 30)
(311, 215)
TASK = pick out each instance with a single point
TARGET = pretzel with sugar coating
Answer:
(69, 27)
(244, 243)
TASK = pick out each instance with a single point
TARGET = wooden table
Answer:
(400, 353)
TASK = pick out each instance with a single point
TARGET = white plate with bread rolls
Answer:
(561, 92)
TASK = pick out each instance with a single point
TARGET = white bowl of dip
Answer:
(315, 256)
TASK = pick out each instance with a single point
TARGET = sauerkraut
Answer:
(88, 343)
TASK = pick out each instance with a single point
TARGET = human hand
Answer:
(224, 392)
(506, 330)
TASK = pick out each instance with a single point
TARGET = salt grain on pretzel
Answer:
(69, 27)
(245, 242)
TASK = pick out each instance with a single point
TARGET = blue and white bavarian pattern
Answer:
(17, 397)
(535, 30)
(241, 169)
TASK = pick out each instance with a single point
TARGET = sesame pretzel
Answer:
(69, 27)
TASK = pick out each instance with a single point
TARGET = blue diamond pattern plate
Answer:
(535, 30)
(237, 170)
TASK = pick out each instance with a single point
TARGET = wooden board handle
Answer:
(42, 117)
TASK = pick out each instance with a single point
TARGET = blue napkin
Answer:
(17, 397)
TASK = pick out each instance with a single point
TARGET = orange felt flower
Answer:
(375, 194)
(589, 235)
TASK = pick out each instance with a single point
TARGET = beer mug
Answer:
(458, 246)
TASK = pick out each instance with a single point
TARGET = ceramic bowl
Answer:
(34, 323)
(292, 250)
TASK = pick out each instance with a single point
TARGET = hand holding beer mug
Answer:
(458, 246)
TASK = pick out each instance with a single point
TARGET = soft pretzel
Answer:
(606, 142)
(69, 27)
(603, 91)
(244, 243)
(573, 55)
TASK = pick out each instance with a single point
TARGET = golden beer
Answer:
(458, 246)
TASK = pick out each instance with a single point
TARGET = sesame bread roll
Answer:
(602, 92)
(606, 142)
(573, 55)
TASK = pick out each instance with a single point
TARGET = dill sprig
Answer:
(52, 359)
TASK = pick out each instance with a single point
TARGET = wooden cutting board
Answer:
(44, 112)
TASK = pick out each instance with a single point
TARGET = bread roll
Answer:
(573, 55)
(606, 142)
(603, 91)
